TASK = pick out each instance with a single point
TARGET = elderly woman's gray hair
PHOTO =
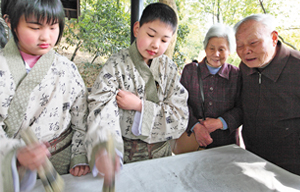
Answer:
(221, 30)
(267, 20)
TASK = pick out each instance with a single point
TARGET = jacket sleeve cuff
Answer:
(225, 126)
(77, 160)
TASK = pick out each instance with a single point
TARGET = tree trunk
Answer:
(75, 51)
(95, 57)
(169, 52)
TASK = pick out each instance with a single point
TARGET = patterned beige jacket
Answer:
(51, 99)
(165, 111)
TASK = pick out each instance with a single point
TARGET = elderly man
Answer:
(270, 93)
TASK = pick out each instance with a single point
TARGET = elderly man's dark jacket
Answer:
(221, 96)
(271, 106)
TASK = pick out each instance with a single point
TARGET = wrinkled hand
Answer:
(107, 167)
(80, 170)
(212, 124)
(202, 135)
(128, 101)
(33, 156)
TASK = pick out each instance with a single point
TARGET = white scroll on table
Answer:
(224, 169)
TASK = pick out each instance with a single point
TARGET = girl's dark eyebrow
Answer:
(33, 22)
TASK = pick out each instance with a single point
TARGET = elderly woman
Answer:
(214, 94)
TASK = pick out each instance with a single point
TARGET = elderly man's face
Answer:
(256, 45)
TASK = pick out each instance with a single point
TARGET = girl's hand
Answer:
(33, 156)
(128, 101)
(80, 170)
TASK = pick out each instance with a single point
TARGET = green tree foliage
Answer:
(102, 29)
(178, 56)
(104, 26)
(182, 32)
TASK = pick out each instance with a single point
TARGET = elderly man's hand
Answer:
(202, 135)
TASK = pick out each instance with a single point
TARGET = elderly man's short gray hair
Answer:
(221, 30)
(267, 20)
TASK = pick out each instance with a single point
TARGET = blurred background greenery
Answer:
(103, 28)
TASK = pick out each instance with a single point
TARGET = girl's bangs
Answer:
(49, 13)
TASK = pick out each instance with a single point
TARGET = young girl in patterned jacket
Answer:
(42, 90)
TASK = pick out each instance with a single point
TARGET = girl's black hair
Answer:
(4, 5)
(50, 11)
(3, 39)
(159, 11)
